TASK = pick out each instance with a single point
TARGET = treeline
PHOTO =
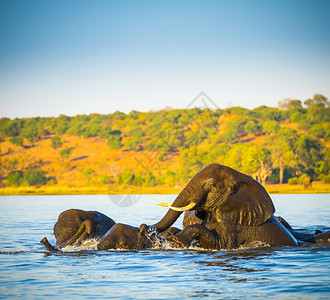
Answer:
(277, 145)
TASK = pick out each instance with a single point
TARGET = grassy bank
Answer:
(318, 187)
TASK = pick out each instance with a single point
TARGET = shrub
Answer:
(103, 179)
(18, 141)
(297, 180)
(324, 178)
(271, 127)
(56, 142)
(15, 178)
(293, 180)
(65, 153)
(114, 139)
(34, 177)
(29, 177)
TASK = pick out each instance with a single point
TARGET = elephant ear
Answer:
(248, 204)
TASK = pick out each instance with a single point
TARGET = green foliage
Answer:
(12, 128)
(268, 113)
(103, 179)
(253, 128)
(319, 131)
(88, 172)
(56, 142)
(298, 116)
(15, 178)
(34, 177)
(18, 141)
(131, 143)
(126, 179)
(66, 153)
(271, 127)
(325, 178)
(234, 130)
(309, 151)
(114, 139)
(191, 158)
(196, 137)
(30, 177)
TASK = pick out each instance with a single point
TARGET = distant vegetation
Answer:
(167, 147)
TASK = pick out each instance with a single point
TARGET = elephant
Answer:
(75, 225)
(122, 236)
(235, 210)
(303, 237)
(190, 218)
(318, 237)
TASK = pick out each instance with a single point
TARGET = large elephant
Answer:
(122, 236)
(75, 225)
(235, 210)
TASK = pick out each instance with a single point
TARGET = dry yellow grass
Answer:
(94, 153)
(317, 187)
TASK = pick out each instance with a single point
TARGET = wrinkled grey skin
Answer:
(235, 210)
(122, 236)
(190, 218)
(75, 225)
(317, 237)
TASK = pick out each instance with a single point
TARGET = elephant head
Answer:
(222, 194)
(75, 225)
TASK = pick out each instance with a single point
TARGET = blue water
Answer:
(28, 271)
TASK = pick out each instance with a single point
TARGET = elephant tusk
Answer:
(162, 204)
(184, 208)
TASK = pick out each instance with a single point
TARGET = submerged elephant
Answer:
(235, 210)
(75, 225)
(122, 236)
(317, 237)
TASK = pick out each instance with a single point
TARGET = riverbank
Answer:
(317, 188)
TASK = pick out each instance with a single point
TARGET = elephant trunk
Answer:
(191, 193)
(47, 245)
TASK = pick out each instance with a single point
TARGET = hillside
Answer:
(162, 150)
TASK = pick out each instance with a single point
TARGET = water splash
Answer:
(87, 245)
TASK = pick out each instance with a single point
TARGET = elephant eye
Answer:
(235, 189)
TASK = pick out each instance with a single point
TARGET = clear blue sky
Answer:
(80, 57)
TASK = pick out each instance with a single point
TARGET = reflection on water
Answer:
(28, 271)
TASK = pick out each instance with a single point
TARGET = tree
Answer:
(13, 128)
(271, 127)
(288, 104)
(15, 178)
(283, 151)
(131, 143)
(252, 128)
(18, 141)
(29, 177)
(114, 139)
(317, 100)
(191, 158)
(30, 133)
(34, 177)
(234, 129)
(256, 162)
(56, 142)
(309, 152)
(282, 156)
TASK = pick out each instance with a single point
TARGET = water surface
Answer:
(27, 270)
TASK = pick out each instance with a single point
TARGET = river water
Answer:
(28, 271)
